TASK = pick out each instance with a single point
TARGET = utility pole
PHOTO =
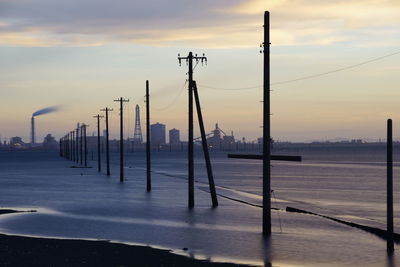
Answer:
(189, 62)
(60, 146)
(389, 184)
(98, 141)
(148, 147)
(121, 101)
(107, 140)
(266, 132)
(205, 148)
(81, 144)
(77, 144)
(85, 141)
(73, 145)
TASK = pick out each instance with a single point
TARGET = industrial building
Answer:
(174, 137)
(157, 134)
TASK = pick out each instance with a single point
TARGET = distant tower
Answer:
(137, 137)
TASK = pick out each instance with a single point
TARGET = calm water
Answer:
(79, 203)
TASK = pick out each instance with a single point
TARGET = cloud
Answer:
(207, 23)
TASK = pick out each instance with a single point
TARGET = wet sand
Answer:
(33, 251)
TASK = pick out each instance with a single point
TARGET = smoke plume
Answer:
(45, 111)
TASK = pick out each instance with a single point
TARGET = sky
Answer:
(81, 55)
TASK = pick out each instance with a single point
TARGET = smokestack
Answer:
(33, 139)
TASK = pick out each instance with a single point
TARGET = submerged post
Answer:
(205, 148)
(81, 145)
(121, 141)
(266, 133)
(389, 184)
(98, 143)
(189, 61)
(107, 142)
(148, 147)
(77, 145)
(85, 140)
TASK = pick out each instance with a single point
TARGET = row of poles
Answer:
(70, 142)
(73, 145)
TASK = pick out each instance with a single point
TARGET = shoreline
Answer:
(19, 250)
(37, 251)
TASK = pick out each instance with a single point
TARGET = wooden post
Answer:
(389, 183)
(148, 155)
(205, 148)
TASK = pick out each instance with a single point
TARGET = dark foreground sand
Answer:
(29, 251)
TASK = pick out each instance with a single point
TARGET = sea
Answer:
(347, 183)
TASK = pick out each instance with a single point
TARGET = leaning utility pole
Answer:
(107, 140)
(205, 148)
(98, 141)
(121, 141)
(189, 61)
(148, 147)
(266, 132)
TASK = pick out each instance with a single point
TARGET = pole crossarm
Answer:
(260, 157)
(202, 59)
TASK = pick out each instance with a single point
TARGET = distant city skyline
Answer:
(81, 58)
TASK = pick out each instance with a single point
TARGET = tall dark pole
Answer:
(77, 145)
(121, 141)
(85, 140)
(73, 145)
(389, 183)
(205, 147)
(107, 141)
(98, 143)
(189, 60)
(190, 137)
(60, 146)
(148, 147)
(81, 145)
(266, 133)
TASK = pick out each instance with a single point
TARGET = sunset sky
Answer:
(83, 54)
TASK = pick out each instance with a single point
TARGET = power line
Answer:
(173, 100)
(306, 77)
(336, 70)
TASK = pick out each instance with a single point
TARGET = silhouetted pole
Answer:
(189, 60)
(266, 132)
(71, 156)
(68, 146)
(205, 147)
(60, 146)
(107, 141)
(389, 184)
(98, 142)
(121, 141)
(77, 145)
(81, 144)
(73, 145)
(85, 140)
(148, 155)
